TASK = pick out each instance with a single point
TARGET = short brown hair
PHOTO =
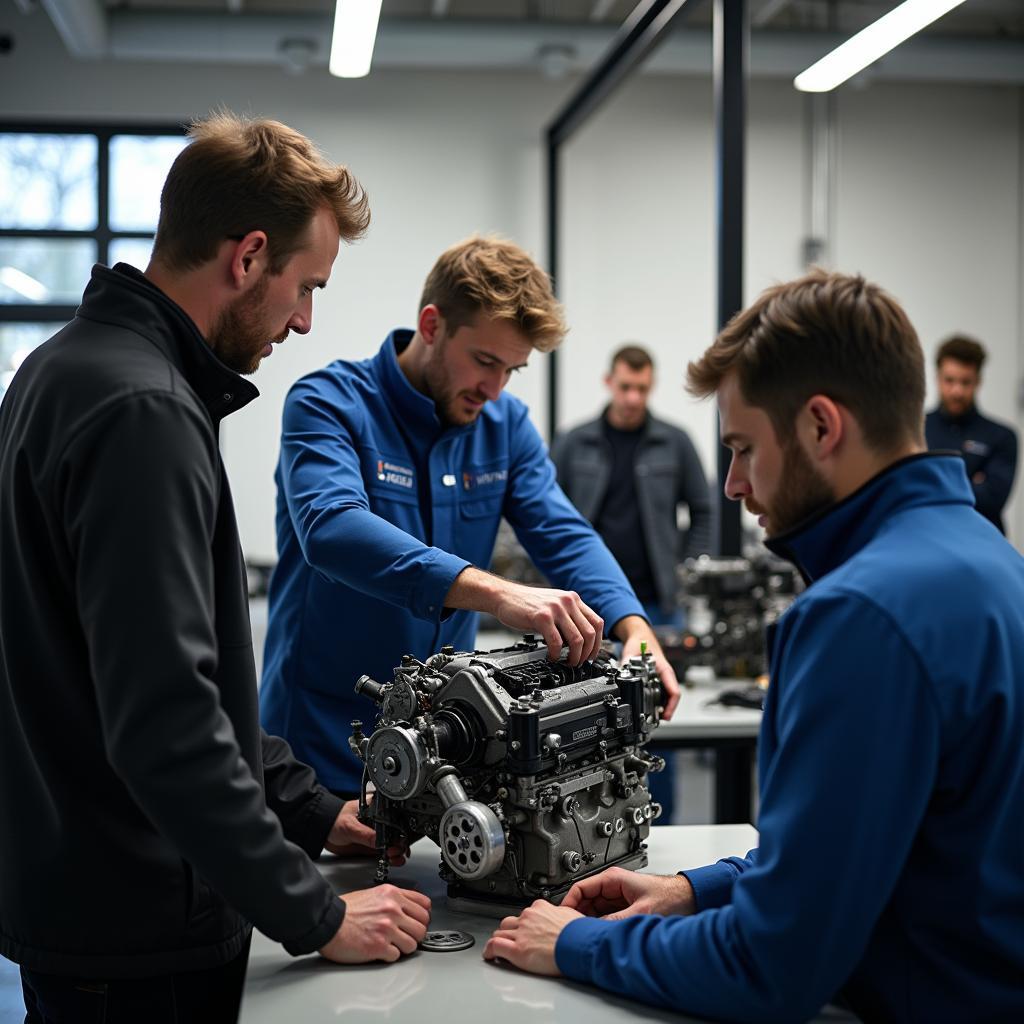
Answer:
(497, 278)
(825, 333)
(962, 348)
(240, 175)
(636, 357)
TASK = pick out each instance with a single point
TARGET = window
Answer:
(71, 197)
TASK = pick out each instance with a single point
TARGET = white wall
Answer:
(640, 226)
(928, 203)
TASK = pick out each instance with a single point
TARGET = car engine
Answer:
(729, 604)
(528, 774)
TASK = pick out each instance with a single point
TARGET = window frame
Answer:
(103, 235)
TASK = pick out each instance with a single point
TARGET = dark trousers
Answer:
(212, 996)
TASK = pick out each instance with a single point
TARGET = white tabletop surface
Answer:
(455, 987)
(696, 719)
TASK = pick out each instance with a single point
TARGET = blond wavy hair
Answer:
(495, 277)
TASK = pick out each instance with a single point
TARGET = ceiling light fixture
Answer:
(26, 286)
(871, 43)
(355, 30)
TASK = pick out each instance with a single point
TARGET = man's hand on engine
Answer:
(617, 893)
(349, 837)
(559, 616)
(528, 941)
(633, 631)
(380, 924)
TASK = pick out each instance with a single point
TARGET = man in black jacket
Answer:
(988, 448)
(147, 819)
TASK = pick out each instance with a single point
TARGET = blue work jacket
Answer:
(890, 866)
(379, 508)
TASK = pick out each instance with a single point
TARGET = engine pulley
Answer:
(396, 760)
(472, 841)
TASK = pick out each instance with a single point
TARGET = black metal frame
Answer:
(731, 52)
(640, 34)
(102, 233)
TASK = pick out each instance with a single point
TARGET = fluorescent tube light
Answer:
(871, 43)
(26, 286)
(355, 30)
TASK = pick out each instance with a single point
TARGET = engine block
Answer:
(528, 774)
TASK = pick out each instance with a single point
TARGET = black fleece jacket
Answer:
(145, 818)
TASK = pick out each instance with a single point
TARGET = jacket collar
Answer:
(832, 536)
(593, 431)
(123, 296)
(605, 424)
(417, 410)
(962, 420)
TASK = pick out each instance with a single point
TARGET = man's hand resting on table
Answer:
(528, 941)
(380, 924)
(617, 893)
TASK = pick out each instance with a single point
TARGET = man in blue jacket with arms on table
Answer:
(393, 476)
(890, 868)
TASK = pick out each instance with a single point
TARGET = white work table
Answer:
(731, 732)
(460, 986)
(698, 720)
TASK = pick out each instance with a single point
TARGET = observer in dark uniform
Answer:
(628, 472)
(989, 448)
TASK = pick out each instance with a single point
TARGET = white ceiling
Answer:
(981, 40)
(1000, 18)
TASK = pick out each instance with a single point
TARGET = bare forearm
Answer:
(628, 625)
(475, 590)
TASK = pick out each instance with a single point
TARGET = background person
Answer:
(889, 869)
(148, 821)
(988, 448)
(628, 472)
(393, 476)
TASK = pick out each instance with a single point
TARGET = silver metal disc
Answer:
(446, 941)
(471, 839)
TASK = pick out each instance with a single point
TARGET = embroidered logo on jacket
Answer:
(976, 447)
(391, 473)
(471, 481)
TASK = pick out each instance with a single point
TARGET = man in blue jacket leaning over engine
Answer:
(393, 476)
(890, 867)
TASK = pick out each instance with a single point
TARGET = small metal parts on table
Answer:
(446, 941)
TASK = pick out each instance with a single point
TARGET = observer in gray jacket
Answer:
(628, 472)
